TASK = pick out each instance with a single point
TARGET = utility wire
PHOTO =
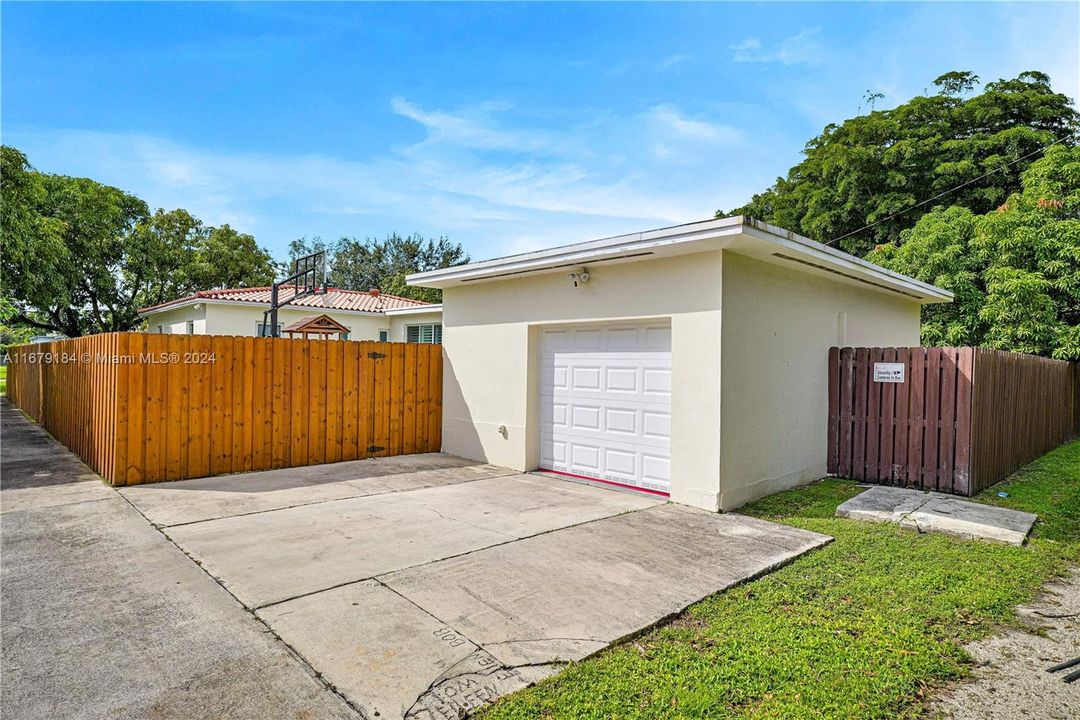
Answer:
(946, 192)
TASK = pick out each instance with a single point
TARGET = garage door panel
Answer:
(623, 462)
(658, 337)
(656, 468)
(656, 425)
(553, 450)
(585, 456)
(605, 395)
(622, 379)
(657, 381)
(585, 378)
(623, 421)
(584, 417)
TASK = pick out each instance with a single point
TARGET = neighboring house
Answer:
(368, 315)
(689, 361)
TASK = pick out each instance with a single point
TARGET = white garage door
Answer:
(605, 403)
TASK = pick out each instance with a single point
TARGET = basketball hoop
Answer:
(307, 273)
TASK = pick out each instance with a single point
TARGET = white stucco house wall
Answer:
(239, 311)
(689, 361)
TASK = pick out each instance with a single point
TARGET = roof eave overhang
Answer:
(147, 312)
(415, 310)
(735, 233)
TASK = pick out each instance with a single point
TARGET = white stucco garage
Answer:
(688, 361)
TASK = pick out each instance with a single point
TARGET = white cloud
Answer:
(672, 60)
(487, 175)
(672, 121)
(802, 47)
(476, 128)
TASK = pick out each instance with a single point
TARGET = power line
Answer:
(946, 192)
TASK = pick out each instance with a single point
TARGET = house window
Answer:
(190, 327)
(424, 333)
(384, 336)
(263, 330)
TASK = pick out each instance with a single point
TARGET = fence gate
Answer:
(949, 419)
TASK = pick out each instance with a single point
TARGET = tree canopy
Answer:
(887, 162)
(355, 264)
(82, 257)
(1015, 271)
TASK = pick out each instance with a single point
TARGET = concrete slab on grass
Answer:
(971, 520)
(935, 512)
(386, 653)
(273, 556)
(563, 596)
(883, 504)
(446, 637)
(187, 501)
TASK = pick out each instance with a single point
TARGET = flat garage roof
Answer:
(739, 234)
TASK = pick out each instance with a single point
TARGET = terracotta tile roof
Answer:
(334, 299)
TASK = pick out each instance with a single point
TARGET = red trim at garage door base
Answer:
(607, 482)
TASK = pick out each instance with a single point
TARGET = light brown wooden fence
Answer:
(142, 408)
(962, 419)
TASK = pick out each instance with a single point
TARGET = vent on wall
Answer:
(579, 263)
(834, 271)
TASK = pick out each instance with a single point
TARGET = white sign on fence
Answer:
(889, 372)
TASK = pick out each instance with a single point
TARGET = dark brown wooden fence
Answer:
(961, 420)
(141, 408)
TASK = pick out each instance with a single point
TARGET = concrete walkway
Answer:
(935, 512)
(103, 617)
(420, 586)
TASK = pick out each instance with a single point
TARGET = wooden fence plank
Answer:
(847, 406)
(423, 399)
(436, 407)
(947, 447)
(220, 407)
(873, 418)
(408, 408)
(902, 421)
(317, 401)
(382, 400)
(858, 453)
(333, 400)
(350, 401)
(247, 373)
(299, 396)
(397, 398)
(832, 452)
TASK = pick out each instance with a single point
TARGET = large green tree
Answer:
(80, 257)
(356, 264)
(876, 169)
(1015, 271)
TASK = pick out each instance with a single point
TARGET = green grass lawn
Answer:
(3, 379)
(863, 628)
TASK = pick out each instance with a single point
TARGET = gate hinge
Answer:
(376, 355)
(375, 448)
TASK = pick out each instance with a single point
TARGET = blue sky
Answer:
(505, 127)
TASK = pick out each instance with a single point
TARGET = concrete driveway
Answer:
(424, 586)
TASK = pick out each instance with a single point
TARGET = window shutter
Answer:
(438, 333)
(412, 334)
